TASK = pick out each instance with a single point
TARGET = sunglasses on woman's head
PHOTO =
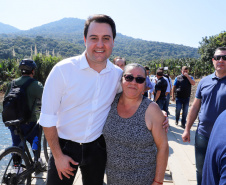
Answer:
(139, 79)
(218, 57)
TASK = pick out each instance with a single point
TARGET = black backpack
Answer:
(15, 105)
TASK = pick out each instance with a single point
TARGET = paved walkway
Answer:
(181, 162)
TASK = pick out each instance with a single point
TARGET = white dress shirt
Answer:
(77, 99)
(168, 84)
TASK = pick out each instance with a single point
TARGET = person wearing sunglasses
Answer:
(209, 103)
(77, 97)
(160, 89)
(137, 145)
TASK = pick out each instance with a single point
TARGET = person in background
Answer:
(182, 89)
(160, 89)
(119, 61)
(169, 94)
(137, 145)
(214, 168)
(153, 80)
(168, 89)
(33, 92)
(148, 82)
(150, 91)
(210, 101)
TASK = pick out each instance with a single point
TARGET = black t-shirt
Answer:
(161, 85)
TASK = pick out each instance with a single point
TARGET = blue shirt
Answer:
(214, 169)
(148, 83)
(212, 92)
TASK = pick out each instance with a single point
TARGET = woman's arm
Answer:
(154, 119)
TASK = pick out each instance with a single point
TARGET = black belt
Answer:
(65, 140)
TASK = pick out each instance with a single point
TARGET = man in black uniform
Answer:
(160, 89)
(182, 89)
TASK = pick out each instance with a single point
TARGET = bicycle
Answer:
(13, 174)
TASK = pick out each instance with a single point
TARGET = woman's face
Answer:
(133, 89)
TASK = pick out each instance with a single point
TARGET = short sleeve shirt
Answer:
(212, 92)
(161, 85)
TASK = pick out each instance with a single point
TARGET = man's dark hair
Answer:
(118, 57)
(147, 68)
(100, 18)
(221, 49)
(185, 68)
(159, 72)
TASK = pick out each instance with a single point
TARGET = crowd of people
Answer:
(102, 116)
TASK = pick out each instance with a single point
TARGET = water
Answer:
(5, 136)
(5, 141)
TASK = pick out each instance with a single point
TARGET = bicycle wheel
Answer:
(46, 148)
(12, 173)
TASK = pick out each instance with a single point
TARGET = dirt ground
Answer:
(1, 96)
(193, 91)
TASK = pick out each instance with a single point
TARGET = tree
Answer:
(209, 45)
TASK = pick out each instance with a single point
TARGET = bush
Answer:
(9, 69)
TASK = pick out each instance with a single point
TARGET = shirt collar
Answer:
(216, 77)
(84, 64)
(213, 75)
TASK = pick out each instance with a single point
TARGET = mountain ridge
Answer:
(5, 28)
(70, 31)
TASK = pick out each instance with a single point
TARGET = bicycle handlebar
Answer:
(16, 122)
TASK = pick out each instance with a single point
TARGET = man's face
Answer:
(99, 42)
(219, 65)
(183, 71)
(120, 63)
(147, 72)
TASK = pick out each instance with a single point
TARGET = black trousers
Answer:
(91, 158)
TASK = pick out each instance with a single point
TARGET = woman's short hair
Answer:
(135, 65)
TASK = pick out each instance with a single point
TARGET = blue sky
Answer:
(172, 21)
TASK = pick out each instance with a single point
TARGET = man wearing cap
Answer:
(33, 92)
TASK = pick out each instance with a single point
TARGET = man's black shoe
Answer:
(176, 122)
(182, 126)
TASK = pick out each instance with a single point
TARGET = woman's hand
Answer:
(166, 122)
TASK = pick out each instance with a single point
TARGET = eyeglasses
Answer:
(139, 80)
(218, 57)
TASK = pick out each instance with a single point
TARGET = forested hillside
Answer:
(65, 38)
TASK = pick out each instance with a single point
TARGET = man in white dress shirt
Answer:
(76, 100)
